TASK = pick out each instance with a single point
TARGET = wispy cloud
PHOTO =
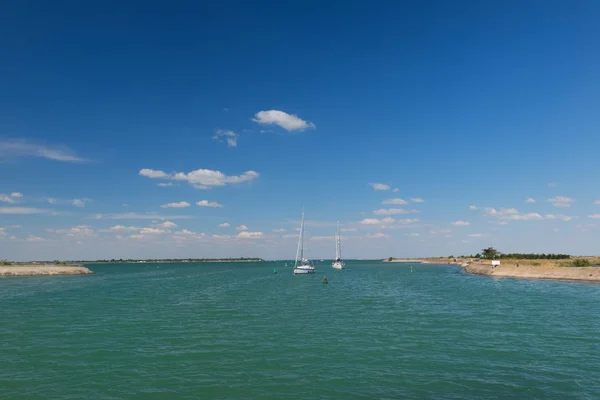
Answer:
(163, 184)
(561, 201)
(241, 228)
(379, 186)
(201, 178)
(206, 203)
(561, 217)
(132, 215)
(461, 223)
(377, 235)
(289, 122)
(10, 198)
(250, 235)
(477, 235)
(398, 202)
(417, 200)
(278, 230)
(393, 211)
(230, 136)
(552, 185)
(24, 210)
(10, 148)
(180, 204)
(530, 200)
(224, 225)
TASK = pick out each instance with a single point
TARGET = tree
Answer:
(390, 259)
(490, 252)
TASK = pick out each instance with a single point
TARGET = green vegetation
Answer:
(580, 262)
(390, 259)
(490, 253)
(5, 262)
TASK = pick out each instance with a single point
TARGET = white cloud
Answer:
(224, 225)
(406, 221)
(16, 194)
(414, 234)
(206, 203)
(167, 225)
(393, 211)
(121, 228)
(289, 122)
(530, 200)
(594, 216)
(7, 199)
(378, 235)
(132, 215)
(552, 185)
(524, 217)
(201, 178)
(473, 207)
(477, 235)
(250, 235)
(230, 136)
(23, 210)
(154, 174)
(348, 230)
(379, 186)
(152, 231)
(22, 148)
(181, 204)
(565, 218)
(221, 236)
(322, 238)
(77, 231)
(137, 236)
(461, 223)
(32, 238)
(375, 221)
(162, 184)
(561, 201)
(279, 230)
(79, 203)
(396, 190)
(597, 202)
(395, 202)
(241, 228)
(417, 200)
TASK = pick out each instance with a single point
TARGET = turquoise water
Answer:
(238, 331)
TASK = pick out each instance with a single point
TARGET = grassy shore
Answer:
(43, 270)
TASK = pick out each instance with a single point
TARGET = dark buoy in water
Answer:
(274, 271)
(325, 282)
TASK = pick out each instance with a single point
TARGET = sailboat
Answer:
(302, 265)
(337, 262)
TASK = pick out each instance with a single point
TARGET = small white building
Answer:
(495, 263)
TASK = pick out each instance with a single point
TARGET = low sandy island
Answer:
(535, 272)
(43, 269)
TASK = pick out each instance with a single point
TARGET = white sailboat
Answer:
(337, 262)
(304, 266)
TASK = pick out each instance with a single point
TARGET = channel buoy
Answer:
(325, 282)
(274, 271)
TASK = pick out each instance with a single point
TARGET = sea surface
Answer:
(239, 331)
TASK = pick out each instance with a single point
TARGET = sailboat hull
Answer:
(338, 265)
(298, 271)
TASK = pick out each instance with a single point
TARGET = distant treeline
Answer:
(522, 256)
(165, 260)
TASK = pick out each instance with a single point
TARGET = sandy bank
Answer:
(43, 269)
(404, 260)
(590, 274)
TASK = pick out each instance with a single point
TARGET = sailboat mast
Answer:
(300, 242)
(338, 247)
(302, 237)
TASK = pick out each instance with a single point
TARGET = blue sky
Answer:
(110, 112)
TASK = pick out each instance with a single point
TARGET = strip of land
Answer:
(43, 270)
(536, 272)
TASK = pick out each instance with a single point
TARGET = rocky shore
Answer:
(43, 270)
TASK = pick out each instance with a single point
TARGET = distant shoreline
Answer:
(514, 270)
(43, 270)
